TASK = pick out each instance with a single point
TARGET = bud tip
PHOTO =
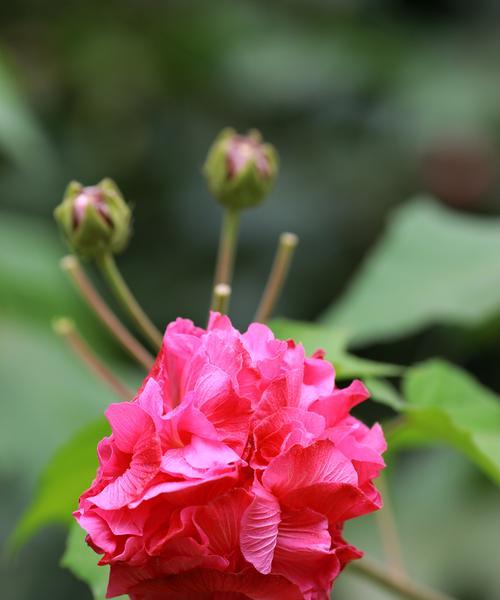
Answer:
(63, 325)
(222, 290)
(240, 169)
(290, 240)
(94, 219)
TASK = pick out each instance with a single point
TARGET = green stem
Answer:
(121, 290)
(227, 246)
(394, 581)
(71, 265)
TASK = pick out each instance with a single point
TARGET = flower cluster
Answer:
(232, 472)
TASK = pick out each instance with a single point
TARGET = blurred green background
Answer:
(368, 103)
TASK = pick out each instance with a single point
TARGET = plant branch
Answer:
(227, 246)
(72, 266)
(395, 582)
(282, 260)
(121, 290)
(67, 330)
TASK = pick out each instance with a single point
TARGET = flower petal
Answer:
(128, 422)
(196, 491)
(337, 405)
(270, 433)
(133, 432)
(301, 467)
(220, 521)
(206, 584)
(303, 553)
(259, 529)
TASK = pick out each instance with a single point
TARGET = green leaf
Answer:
(70, 471)
(82, 562)
(446, 404)
(433, 265)
(384, 393)
(334, 342)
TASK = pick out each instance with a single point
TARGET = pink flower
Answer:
(232, 472)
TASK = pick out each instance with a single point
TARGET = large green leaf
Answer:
(82, 562)
(334, 342)
(432, 266)
(67, 475)
(445, 404)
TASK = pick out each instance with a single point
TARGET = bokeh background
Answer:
(368, 102)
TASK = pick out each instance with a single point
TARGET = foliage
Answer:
(432, 266)
(81, 560)
(447, 405)
(441, 402)
(334, 342)
(352, 107)
(48, 408)
(72, 467)
(384, 392)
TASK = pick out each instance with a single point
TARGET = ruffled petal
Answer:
(134, 433)
(303, 553)
(205, 584)
(259, 529)
(220, 522)
(272, 433)
(302, 467)
(337, 405)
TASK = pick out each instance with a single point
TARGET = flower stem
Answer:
(227, 246)
(386, 522)
(67, 330)
(72, 266)
(394, 581)
(121, 290)
(282, 260)
(220, 298)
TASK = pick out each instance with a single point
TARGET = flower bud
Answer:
(95, 219)
(240, 169)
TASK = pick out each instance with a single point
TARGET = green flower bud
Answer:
(240, 169)
(94, 220)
